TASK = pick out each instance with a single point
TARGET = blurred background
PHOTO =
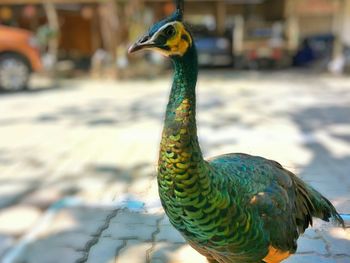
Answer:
(80, 119)
(91, 37)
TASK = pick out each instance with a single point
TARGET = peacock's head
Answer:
(170, 36)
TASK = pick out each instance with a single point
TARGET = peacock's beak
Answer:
(143, 43)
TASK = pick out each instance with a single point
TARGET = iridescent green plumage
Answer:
(232, 208)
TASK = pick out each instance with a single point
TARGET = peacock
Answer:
(230, 208)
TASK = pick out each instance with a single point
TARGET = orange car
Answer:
(19, 57)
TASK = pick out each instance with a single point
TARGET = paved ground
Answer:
(78, 161)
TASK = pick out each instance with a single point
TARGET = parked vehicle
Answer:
(19, 57)
(347, 59)
(262, 45)
(315, 48)
(213, 50)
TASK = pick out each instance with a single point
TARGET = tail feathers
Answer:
(323, 208)
(316, 205)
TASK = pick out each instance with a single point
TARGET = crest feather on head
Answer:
(180, 7)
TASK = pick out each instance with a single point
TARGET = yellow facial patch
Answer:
(179, 43)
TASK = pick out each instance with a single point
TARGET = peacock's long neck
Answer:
(180, 119)
(180, 161)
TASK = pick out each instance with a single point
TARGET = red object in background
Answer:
(168, 8)
(277, 54)
(87, 12)
(252, 55)
(29, 11)
(19, 41)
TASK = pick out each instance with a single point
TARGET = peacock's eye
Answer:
(169, 31)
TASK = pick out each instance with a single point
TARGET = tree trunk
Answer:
(53, 22)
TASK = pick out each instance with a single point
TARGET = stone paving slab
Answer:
(123, 235)
(97, 142)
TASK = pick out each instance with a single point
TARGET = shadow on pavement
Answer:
(326, 171)
(35, 90)
(102, 235)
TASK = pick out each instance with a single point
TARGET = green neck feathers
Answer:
(182, 101)
(180, 159)
(180, 120)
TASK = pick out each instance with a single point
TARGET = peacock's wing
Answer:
(283, 202)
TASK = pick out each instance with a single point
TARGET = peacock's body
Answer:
(235, 207)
